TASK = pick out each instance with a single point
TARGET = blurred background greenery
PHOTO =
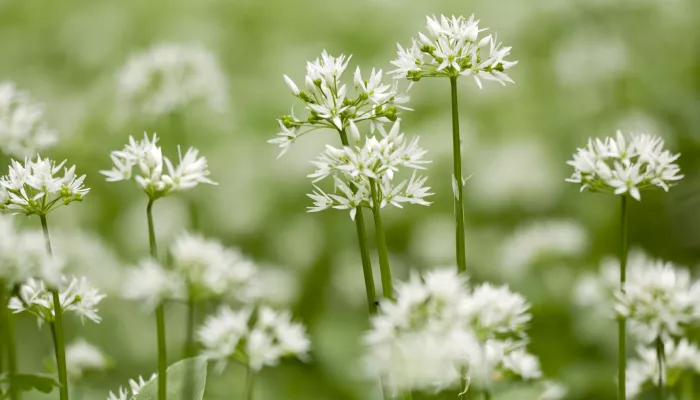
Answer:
(586, 68)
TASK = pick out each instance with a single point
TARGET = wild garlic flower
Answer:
(257, 338)
(659, 301)
(364, 175)
(35, 188)
(211, 270)
(152, 284)
(135, 386)
(151, 176)
(82, 358)
(329, 104)
(76, 295)
(440, 331)
(619, 166)
(453, 48)
(643, 371)
(168, 78)
(23, 256)
(23, 130)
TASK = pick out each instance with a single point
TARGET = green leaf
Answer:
(177, 374)
(41, 382)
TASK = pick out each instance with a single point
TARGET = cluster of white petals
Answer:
(660, 300)
(255, 337)
(440, 332)
(329, 104)
(37, 187)
(76, 295)
(23, 130)
(156, 174)
(212, 270)
(83, 358)
(151, 283)
(453, 48)
(135, 386)
(364, 175)
(643, 372)
(620, 166)
(168, 78)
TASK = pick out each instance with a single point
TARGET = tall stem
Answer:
(364, 249)
(660, 358)
(8, 339)
(384, 267)
(189, 350)
(622, 322)
(457, 183)
(160, 312)
(250, 383)
(57, 324)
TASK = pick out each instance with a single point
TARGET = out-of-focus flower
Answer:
(149, 282)
(82, 357)
(680, 357)
(453, 48)
(553, 391)
(151, 176)
(135, 386)
(168, 78)
(35, 188)
(23, 130)
(620, 166)
(257, 339)
(23, 256)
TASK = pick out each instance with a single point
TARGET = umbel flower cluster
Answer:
(363, 175)
(680, 358)
(330, 105)
(135, 387)
(151, 174)
(254, 337)
(23, 130)
(625, 166)
(453, 48)
(37, 187)
(441, 332)
(169, 77)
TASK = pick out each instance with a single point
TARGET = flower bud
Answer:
(292, 86)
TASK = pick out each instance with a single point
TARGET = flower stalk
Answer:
(457, 180)
(622, 321)
(160, 311)
(8, 341)
(384, 267)
(660, 358)
(250, 383)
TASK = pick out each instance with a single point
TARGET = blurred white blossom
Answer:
(82, 357)
(135, 386)
(150, 283)
(169, 78)
(680, 357)
(23, 130)
(23, 256)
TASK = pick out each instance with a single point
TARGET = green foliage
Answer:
(43, 383)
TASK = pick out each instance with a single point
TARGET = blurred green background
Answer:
(586, 68)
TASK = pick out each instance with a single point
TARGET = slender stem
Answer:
(250, 383)
(8, 339)
(189, 350)
(660, 358)
(57, 324)
(384, 267)
(364, 249)
(459, 202)
(160, 313)
(688, 386)
(487, 395)
(622, 322)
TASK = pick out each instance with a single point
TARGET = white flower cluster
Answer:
(201, 269)
(23, 130)
(135, 386)
(33, 187)
(23, 256)
(151, 177)
(76, 295)
(256, 338)
(680, 357)
(363, 176)
(82, 358)
(453, 48)
(330, 106)
(168, 78)
(660, 300)
(440, 331)
(619, 166)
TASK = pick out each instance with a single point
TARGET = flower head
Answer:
(23, 130)
(37, 187)
(135, 386)
(681, 356)
(82, 357)
(149, 282)
(151, 175)
(168, 78)
(453, 48)
(625, 166)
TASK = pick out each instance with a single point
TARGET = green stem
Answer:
(622, 322)
(160, 312)
(189, 350)
(57, 324)
(8, 339)
(250, 383)
(364, 249)
(660, 358)
(688, 386)
(487, 395)
(457, 176)
(384, 267)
